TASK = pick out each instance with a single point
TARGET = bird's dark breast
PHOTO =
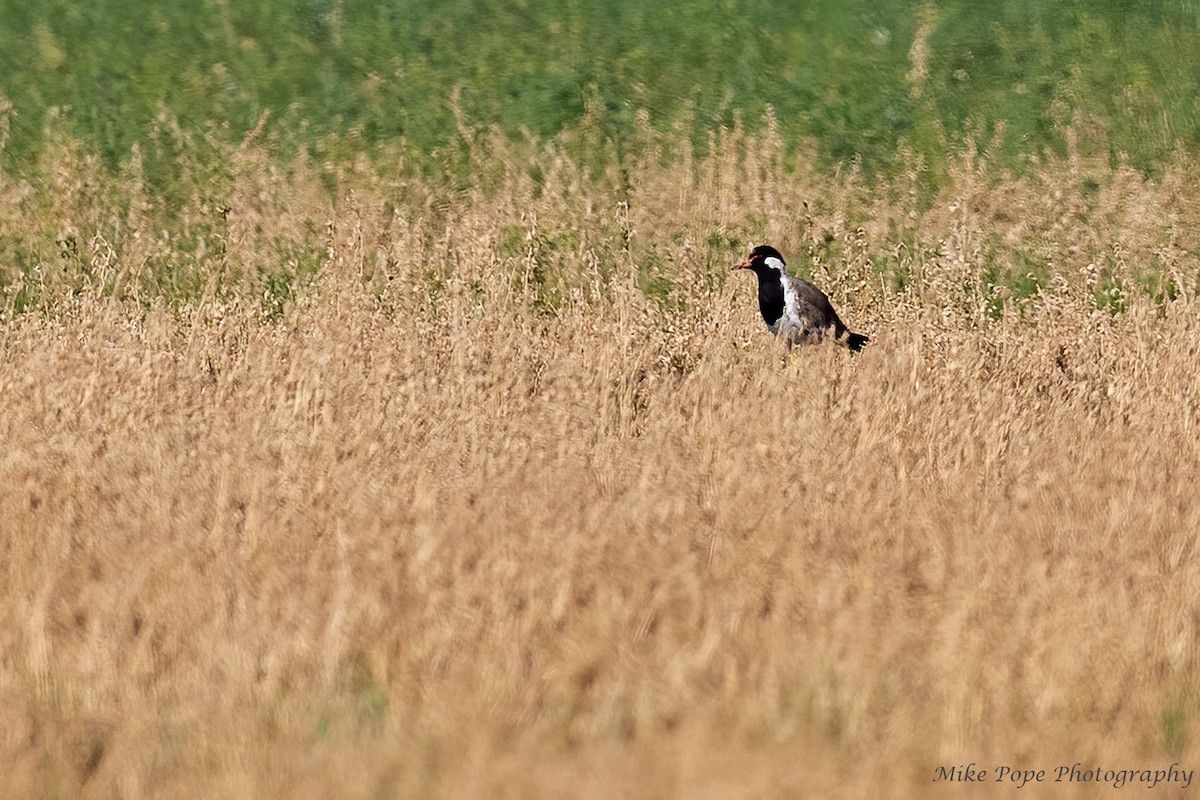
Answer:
(770, 300)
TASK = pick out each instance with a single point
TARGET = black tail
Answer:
(856, 341)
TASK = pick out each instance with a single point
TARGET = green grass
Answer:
(127, 132)
(378, 74)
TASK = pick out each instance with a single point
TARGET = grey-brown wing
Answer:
(814, 307)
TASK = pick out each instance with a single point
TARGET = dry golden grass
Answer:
(466, 519)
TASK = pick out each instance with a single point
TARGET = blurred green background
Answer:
(842, 73)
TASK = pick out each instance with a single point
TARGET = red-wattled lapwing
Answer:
(794, 307)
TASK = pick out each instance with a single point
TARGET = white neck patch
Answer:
(791, 304)
(774, 263)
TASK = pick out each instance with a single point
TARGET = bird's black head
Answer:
(764, 260)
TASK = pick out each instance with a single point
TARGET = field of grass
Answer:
(859, 78)
(382, 418)
(324, 484)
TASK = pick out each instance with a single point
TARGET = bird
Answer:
(793, 307)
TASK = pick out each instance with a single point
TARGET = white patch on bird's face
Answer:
(774, 263)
